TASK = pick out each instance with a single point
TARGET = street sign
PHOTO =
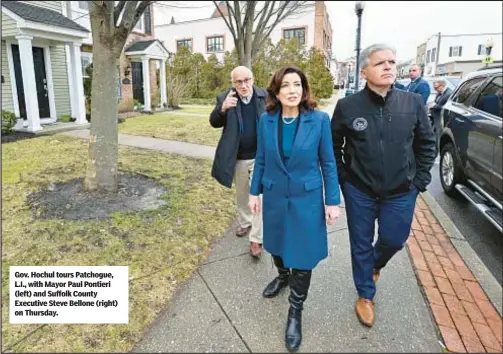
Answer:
(487, 60)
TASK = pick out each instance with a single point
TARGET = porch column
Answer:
(79, 108)
(30, 88)
(146, 84)
(162, 79)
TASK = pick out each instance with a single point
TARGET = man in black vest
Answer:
(237, 110)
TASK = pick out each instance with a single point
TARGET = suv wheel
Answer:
(450, 170)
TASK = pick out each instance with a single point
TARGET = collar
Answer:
(380, 100)
(247, 99)
(416, 80)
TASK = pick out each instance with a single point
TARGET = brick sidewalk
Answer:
(466, 319)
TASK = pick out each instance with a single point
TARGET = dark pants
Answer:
(394, 218)
(437, 127)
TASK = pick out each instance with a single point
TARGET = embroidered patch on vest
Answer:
(360, 124)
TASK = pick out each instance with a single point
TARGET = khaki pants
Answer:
(242, 177)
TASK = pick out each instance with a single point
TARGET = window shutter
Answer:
(450, 51)
(148, 23)
(460, 51)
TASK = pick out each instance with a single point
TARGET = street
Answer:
(482, 236)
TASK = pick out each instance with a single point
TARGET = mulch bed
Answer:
(16, 136)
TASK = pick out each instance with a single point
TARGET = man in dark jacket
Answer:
(417, 84)
(384, 148)
(443, 94)
(237, 111)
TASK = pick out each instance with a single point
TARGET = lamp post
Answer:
(359, 6)
(489, 47)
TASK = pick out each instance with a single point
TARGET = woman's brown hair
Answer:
(307, 102)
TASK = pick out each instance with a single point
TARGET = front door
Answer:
(137, 70)
(40, 80)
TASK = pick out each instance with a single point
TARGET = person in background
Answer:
(417, 83)
(296, 173)
(385, 148)
(237, 111)
(443, 94)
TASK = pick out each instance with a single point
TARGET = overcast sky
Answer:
(403, 24)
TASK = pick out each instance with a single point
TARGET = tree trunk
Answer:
(246, 60)
(102, 164)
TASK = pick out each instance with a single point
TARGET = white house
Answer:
(141, 58)
(41, 66)
(45, 47)
(312, 27)
(461, 53)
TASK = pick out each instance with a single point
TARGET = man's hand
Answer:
(254, 204)
(230, 101)
(332, 213)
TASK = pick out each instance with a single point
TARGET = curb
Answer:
(487, 281)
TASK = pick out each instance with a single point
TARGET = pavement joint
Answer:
(223, 310)
(225, 258)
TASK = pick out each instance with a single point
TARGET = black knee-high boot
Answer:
(299, 287)
(281, 281)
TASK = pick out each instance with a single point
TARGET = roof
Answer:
(482, 72)
(41, 15)
(140, 46)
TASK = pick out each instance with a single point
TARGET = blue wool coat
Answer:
(292, 195)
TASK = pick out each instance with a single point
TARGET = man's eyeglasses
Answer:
(245, 81)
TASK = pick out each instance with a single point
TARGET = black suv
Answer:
(471, 143)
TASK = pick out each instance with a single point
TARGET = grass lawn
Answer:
(161, 247)
(171, 126)
(197, 109)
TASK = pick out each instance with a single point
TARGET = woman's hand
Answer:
(332, 213)
(254, 204)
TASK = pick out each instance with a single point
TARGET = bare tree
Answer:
(250, 26)
(111, 25)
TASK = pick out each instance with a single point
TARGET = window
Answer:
(187, 43)
(433, 54)
(481, 49)
(455, 51)
(139, 24)
(428, 53)
(85, 60)
(466, 90)
(490, 99)
(215, 44)
(148, 21)
(299, 33)
(84, 5)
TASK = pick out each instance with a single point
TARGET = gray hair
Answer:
(367, 52)
(441, 82)
(241, 68)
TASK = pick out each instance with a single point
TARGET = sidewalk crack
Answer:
(224, 312)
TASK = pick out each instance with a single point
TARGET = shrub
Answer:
(8, 122)
(177, 87)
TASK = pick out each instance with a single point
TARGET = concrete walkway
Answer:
(221, 308)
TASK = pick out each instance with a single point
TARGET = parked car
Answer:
(471, 143)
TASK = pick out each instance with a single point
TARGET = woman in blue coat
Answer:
(294, 161)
